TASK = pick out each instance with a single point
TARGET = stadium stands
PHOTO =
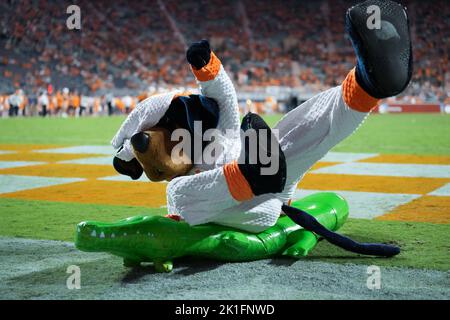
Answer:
(126, 47)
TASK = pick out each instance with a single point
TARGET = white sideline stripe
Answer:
(94, 160)
(15, 164)
(442, 191)
(346, 156)
(389, 169)
(121, 178)
(13, 183)
(366, 205)
(109, 150)
(7, 152)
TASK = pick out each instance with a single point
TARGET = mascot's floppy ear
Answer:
(185, 110)
(129, 168)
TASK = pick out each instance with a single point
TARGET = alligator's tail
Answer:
(310, 223)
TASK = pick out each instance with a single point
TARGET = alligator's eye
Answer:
(159, 172)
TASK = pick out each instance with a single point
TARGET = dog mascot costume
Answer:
(234, 193)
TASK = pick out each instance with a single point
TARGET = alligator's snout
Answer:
(122, 235)
(88, 236)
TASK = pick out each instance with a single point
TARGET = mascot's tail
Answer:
(310, 223)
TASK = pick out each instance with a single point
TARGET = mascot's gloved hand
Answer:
(262, 176)
(198, 54)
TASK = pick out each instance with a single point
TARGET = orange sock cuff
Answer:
(210, 71)
(238, 186)
(355, 96)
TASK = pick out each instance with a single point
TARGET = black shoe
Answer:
(251, 166)
(384, 65)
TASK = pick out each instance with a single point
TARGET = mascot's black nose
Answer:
(140, 142)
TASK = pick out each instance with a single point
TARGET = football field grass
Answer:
(394, 171)
(419, 134)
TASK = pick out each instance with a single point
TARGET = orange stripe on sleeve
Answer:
(355, 96)
(210, 71)
(237, 184)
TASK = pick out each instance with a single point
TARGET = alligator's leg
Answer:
(330, 209)
(302, 242)
(163, 266)
(231, 246)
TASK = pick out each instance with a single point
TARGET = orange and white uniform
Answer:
(219, 193)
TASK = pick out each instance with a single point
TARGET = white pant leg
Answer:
(306, 134)
(312, 129)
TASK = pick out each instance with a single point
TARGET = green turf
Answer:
(422, 243)
(418, 134)
(401, 133)
(59, 131)
(57, 220)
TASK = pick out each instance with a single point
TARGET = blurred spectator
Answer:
(126, 47)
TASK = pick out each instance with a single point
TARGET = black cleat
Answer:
(384, 51)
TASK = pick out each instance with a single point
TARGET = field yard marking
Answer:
(388, 169)
(123, 178)
(13, 183)
(144, 194)
(101, 149)
(408, 159)
(323, 164)
(93, 160)
(6, 152)
(346, 156)
(42, 157)
(62, 170)
(26, 147)
(433, 209)
(14, 164)
(443, 191)
(408, 185)
(359, 202)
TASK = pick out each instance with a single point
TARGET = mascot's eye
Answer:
(160, 172)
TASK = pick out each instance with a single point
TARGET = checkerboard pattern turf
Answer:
(377, 186)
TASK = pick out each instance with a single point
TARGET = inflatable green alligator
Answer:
(161, 240)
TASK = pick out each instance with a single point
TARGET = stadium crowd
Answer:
(126, 47)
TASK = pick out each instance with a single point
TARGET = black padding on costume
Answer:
(184, 111)
(259, 183)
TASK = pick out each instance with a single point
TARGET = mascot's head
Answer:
(153, 147)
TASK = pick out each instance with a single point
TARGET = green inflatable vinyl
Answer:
(161, 240)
